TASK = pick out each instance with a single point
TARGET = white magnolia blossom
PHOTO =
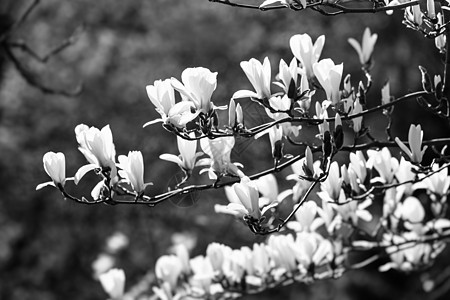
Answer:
(305, 218)
(198, 86)
(322, 113)
(133, 170)
(248, 196)
(55, 167)
(306, 52)
(386, 93)
(219, 152)
(161, 94)
(187, 159)
(288, 74)
(415, 137)
(329, 76)
(438, 183)
(168, 268)
(97, 147)
(365, 49)
(357, 121)
(331, 187)
(413, 14)
(113, 282)
(384, 164)
(259, 76)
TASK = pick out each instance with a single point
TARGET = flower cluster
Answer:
(224, 271)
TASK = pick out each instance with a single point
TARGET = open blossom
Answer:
(113, 282)
(331, 187)
(133, 170)
(198, 86)
(365, 49)
(288, 75)
(162, 95)
(438, 183)
(187, 159)
(98, 148)
(384, 163)
(248, 197)
(415, 151)
(219, 152)
(168, 268)
(55, 167)
(329, 76)
(305, 218)
(259, 76)
(306, 52)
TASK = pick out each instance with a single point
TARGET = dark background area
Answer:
(48, 245)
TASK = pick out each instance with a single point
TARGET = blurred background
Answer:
(50, 248)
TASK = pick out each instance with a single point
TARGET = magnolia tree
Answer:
(331, 204)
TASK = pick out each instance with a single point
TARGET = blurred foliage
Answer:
(47, 245)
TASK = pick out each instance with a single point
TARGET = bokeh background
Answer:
(48, 246)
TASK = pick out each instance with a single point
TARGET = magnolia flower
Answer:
(312, 249)
(441, 40)
(329, 76)
(259, 76)
(438, 183)
(384, 163)
(386, 93)
(357, 122)
(217, 253)
(235, 114)
(322, 113)
(415, 136)
(55, 167)
(275, 137)
(161, 94)
(198, 85)
(98, 148)
(267, 187)
(281, 251)
(404, 173)
(203, 272)
(288, 76)
(351, 210)
(187, 159)
(248, 197)
(305, 218)
(168, 268)
(280, 103)
(414, 15)
(412, 211)
(261, 260)
(219, 152)
(133, 170)
(307, 53)
(359, 165)
(331, 187)
(431, 11)
(365, 49)
(113, 282)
